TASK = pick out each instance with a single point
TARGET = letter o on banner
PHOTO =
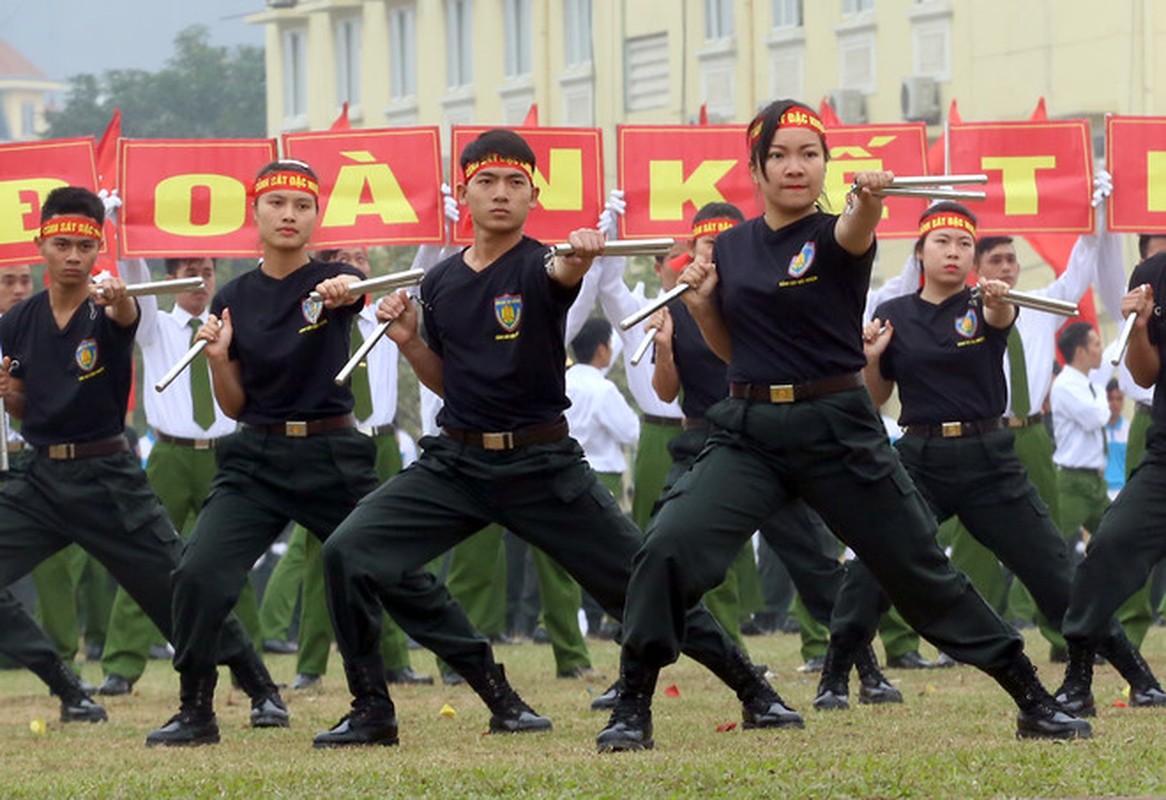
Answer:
(182, 210)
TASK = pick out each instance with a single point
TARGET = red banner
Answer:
(30, 171)
(862, 148)
(569, 176)
(376, 186)
(1040, 174)
(1136, 157)
(185, 197)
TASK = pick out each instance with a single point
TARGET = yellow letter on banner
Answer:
(13, 209)
(565, 193)
(174, 206)
(1019, 180)
(837, 186)
(387, 201)
(668, 189)
(1156, 180)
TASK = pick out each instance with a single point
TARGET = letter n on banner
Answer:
(189, 196)
(377, 187)
(1136, 157)
(28, 172)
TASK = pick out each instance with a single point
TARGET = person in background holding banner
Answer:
(782, 304)
(494, 318)
(273, 355)
(68, 355)
(188, 425)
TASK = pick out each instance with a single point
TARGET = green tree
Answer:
(203, 92)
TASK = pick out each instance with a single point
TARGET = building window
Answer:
(459, 35)
(577, 32)
(646, 80)
(787, 13)
(718, 19)
(856, 6)
(402, 52)
(786, 66)
(516, 19)
(932, 48)
(347, 32)
(295, 73)
(27, 120)
(857, 62)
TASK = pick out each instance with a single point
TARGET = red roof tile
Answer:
(13, 64)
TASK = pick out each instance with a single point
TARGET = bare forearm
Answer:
(227, 382)
(1142, 359)
(878, 386)
(665, 378)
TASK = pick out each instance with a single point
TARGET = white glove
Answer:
(111, 201)
(613, 209)
(452, 212)
(1102, 187)
(104, 275)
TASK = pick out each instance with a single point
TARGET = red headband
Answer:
(286, 180)
(946, 219)
(70, 226)
(792, 117)
(712, 226)
(504, 162)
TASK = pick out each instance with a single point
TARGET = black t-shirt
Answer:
(703, 376)
(76, 380)
(1153, 272)
(289, 349)
(792, 300)
(499, 333)
(947, 360)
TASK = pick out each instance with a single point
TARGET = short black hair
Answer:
(990, 243)
(1144, 243)
(73, 200)
(1073, 336)
(497, 142)
(327, 256)
(941, 207)
(172, 264)
(766, 124)
(718, 211)
(1112, 386)
(595, 331)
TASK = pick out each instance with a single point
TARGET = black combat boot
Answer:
(606, 701)
(1076, 693)
(267, 707)
(630, 726)
(1127, 660)
(373, 719)
(1040, 717)
(834, 685)
(761, 705)
(195, 723)
(509, 712)
(76, 704)
(874, 688)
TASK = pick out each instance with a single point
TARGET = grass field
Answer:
(952, 738)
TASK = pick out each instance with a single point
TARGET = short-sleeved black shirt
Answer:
(947, 360)
(499, 333)
(792, 300)
(289, 349)
(76, 380)
(1153, 272)
(703, 376)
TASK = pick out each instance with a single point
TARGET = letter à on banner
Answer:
(1040, 174)
(189, 196)
(568, 173)
(668, 172)
(1136, 158)
(377, 187)
(28, 172)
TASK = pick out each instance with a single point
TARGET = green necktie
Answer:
(200, 384)
(361, 391)
(1018, 375)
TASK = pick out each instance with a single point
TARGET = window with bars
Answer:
(718, 19)
(402, 52)
(516, 20)
(787, 13)
(295, 73)
(347, 34)
(577, 32)
(459, 38)
(857, 6)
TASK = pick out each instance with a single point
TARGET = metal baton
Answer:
(642, 348)
(936, 187)
(1123, 341)
(385, 283)
(161, 287)
(1034, 301)
(621, 247)
(652, 307)
(362, 352)
(182, 364)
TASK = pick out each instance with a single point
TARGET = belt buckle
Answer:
(1016, 422)
(297, 429)
(498, 441)
(782, 393)
(201, 444)
(63, 452)
(951, 430)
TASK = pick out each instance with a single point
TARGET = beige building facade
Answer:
(24, 93)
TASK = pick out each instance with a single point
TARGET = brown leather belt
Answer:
(388, 429)
(72, 451)
(652, 419)
(1023, 422)
(510, 440)
(1093, 472)
(793, 392)
(178, 441)
(298, 429)
(955, 430)
(696, 424)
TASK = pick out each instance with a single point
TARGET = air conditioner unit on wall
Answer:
(849, 105)
(919, 99)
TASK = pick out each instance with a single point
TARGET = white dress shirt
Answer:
(1080, 412)
(382, 371)
(600, 418)
(164, 337)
